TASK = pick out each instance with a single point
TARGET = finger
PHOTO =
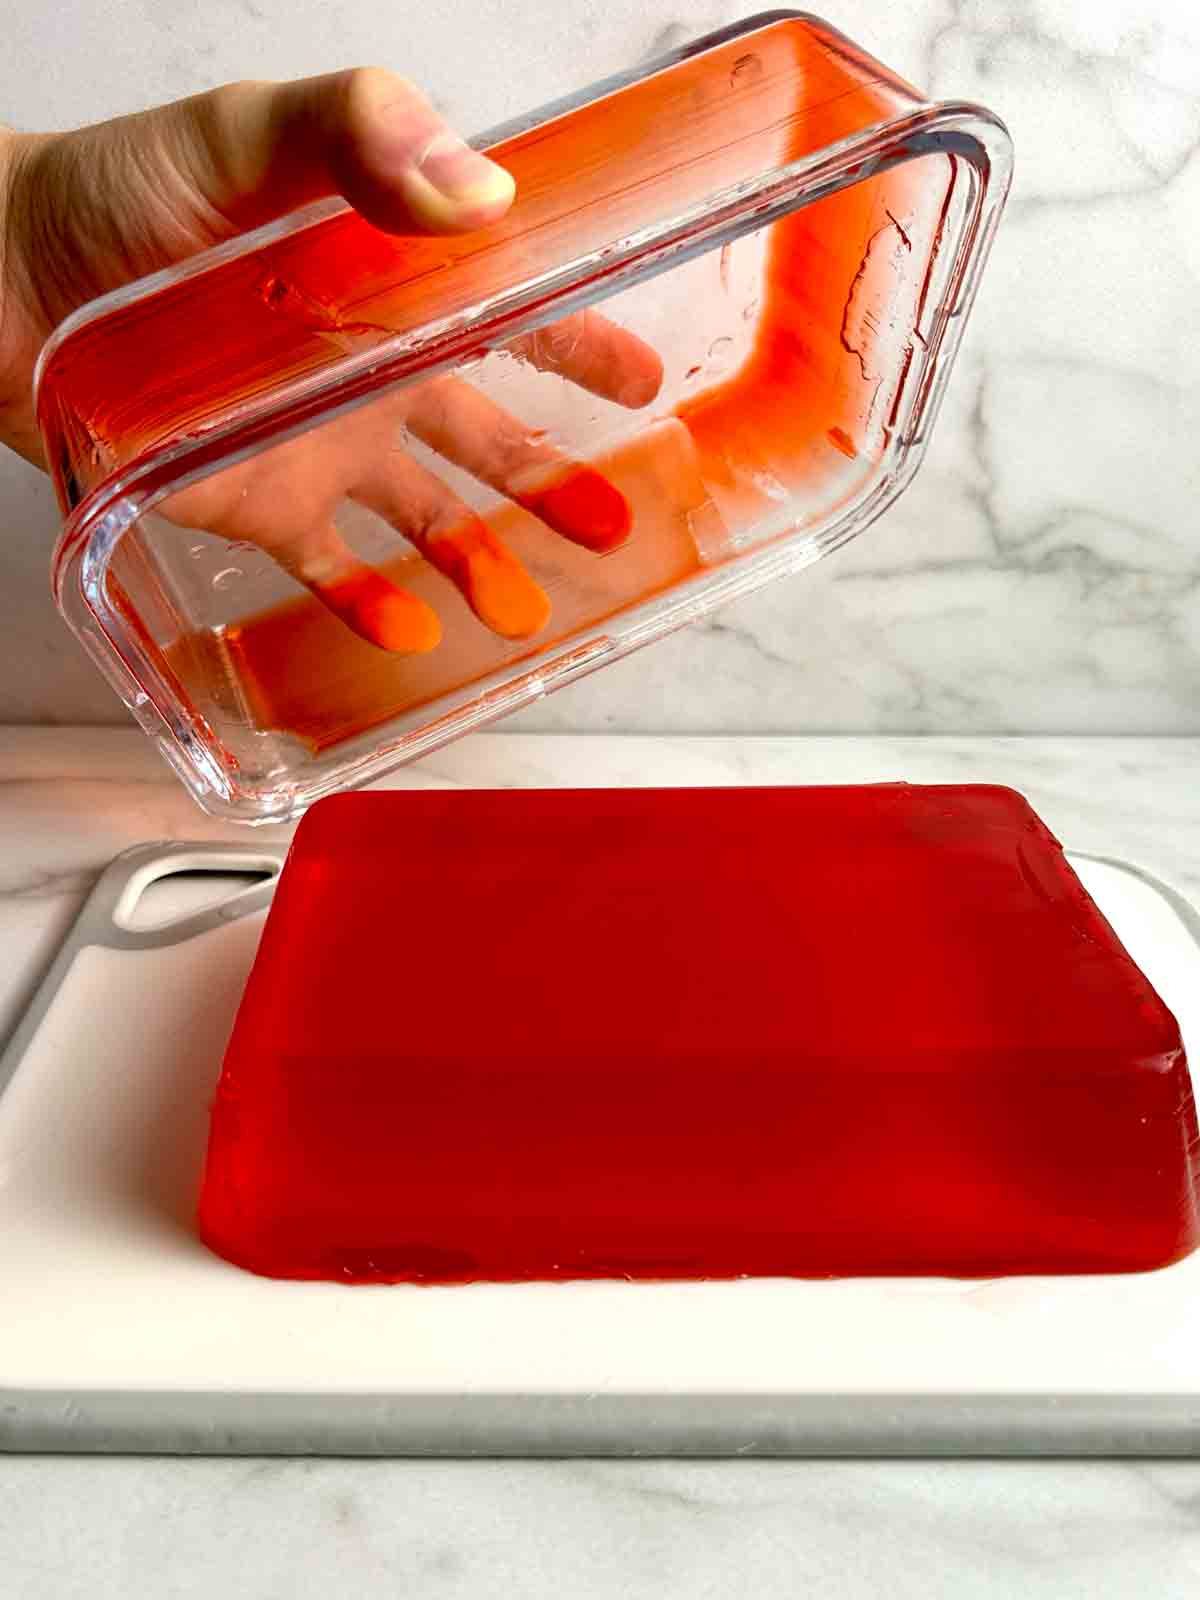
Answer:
(475, 433)
(258, 150)
(598, 355)
(367, 602)
(458, 542)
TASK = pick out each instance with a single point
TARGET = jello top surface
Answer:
(872, 925)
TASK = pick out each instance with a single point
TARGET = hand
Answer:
(85, 212)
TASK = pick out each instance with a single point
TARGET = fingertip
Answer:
(443, 199)
(403, 167)
(584, 507)
(512, 604)
(642, 385)
(405, 625)
(493, 582)
(383, 614)
(469, 183)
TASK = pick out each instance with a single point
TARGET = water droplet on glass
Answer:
(767, 483)
(692, 372)
(197, 551)
(226, 578)
(750, 312)
(746, 70)
(274, 291)
(726, 252)
(720, 354)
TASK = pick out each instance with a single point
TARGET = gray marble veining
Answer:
(644, 1531)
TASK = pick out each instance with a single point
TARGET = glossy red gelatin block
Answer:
(695, 1033)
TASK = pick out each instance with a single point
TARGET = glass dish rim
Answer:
(92, 529)
(957, 127)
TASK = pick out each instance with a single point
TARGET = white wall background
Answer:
(1043, 574)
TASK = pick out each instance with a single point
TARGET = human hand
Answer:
(86, 212)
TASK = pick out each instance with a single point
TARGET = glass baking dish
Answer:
(704, 348)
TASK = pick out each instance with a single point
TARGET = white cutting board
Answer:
(120, 1331)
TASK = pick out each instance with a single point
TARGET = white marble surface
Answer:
(1042, 575)
(849, 1530)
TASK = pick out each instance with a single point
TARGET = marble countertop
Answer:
(1041, 573)
(70, 800)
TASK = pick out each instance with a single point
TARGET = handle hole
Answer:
(173, 896)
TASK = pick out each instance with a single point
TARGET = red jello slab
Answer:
(695, 1033)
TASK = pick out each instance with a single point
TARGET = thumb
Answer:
(257, 150)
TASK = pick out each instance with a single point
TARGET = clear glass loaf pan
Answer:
(704, 348)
